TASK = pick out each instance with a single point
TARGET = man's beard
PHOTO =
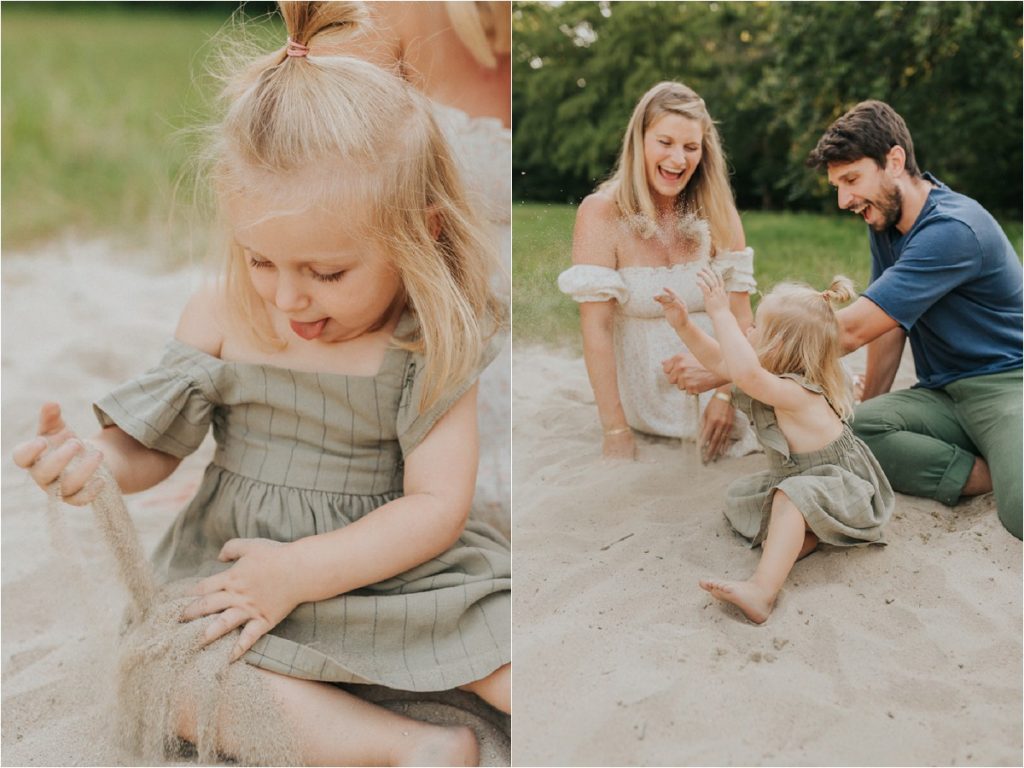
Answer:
(890, 205)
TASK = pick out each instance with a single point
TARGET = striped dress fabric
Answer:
(840, 490)
(301, 453)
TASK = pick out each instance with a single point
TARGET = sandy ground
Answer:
(908, 654)
(78, 319)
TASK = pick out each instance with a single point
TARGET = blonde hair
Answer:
(484, 27)
(707, 194)
(797, 332)
(338, 132)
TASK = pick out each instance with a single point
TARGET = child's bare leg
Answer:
(495, 689)
(810, 544)
(783, 544)
(333, 727)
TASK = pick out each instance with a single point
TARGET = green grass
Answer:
(94, 98)
(787, 246)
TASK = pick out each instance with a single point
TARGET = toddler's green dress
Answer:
(840, 490)
(300, 453)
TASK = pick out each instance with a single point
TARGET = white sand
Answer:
(77, 320)
(908, 654)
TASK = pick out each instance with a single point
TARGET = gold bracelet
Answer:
(619, 431)
(724, 396)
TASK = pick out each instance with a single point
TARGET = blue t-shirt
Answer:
(954, 283)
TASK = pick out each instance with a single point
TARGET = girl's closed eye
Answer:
(328, 277)
(259, 263)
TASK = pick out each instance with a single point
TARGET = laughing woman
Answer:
(666, 212)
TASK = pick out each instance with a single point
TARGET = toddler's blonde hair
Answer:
(484, 27)
(342, 134)
(797, 332)
(707, 194)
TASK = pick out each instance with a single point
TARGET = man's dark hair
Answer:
(870, 129)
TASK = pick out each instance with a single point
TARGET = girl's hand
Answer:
(711, 285)
(674, 308)
(57, 449)
(256, 593)
(716, 428)
(620, 445)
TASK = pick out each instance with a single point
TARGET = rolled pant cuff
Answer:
(955, 477)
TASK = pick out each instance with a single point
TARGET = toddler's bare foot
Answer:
(755, 602)
(437, 745)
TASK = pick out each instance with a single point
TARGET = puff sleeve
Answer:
(412, 424)
(589, 282)
(737, 270)
(170, 407)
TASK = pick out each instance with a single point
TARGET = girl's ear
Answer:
(434, 221)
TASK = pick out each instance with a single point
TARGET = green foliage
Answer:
(774, 75)
(98, 100)
(807, 247)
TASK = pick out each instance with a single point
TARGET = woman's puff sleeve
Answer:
(589, 282)
(169, 408)
(737, 270)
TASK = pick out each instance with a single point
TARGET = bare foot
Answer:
(750, 598)
(437, 745)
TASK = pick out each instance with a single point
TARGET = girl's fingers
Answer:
(50, 420)
(87, 494)
(226, 621)
(47, 469)
(211, 584)
(78, 474)
(251, 632)
(215, 602)
(26, 454)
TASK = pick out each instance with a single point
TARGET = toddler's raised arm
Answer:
(704, 348)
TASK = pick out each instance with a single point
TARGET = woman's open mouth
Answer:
(670, 175)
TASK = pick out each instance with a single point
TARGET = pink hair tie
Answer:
(296, 49)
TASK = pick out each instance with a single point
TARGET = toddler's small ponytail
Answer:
(840, 291)
(307, 20)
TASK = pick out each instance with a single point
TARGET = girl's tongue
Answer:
(308, 331)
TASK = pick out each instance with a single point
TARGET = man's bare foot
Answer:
(750, 598)
(438, 745)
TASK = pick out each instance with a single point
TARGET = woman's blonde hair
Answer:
(797, 332)
(484, 27)
(707, 194)
(340, 133)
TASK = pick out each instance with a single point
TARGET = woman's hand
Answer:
(619, 445)
(256, 593)
(674, 308)
(716, 425)
(58, 450)
(715, 297)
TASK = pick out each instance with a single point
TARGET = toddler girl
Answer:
(336, 362)
(823, 483)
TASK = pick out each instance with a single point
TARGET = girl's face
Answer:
(316, 276)
(673, 146)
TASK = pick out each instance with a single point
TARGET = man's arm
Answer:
(862, 322)
(884, 355)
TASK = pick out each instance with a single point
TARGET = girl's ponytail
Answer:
(306, 21)
(839, 291)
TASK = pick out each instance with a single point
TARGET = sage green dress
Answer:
(300, 453)
(840, 490)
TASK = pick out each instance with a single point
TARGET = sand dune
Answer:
(908, 654)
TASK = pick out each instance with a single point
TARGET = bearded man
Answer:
(943, 273)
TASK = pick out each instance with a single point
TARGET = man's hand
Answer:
(689, 375)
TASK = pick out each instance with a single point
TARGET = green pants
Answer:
(927, 439)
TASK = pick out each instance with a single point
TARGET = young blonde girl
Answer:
(336, 362)
(823, 483)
